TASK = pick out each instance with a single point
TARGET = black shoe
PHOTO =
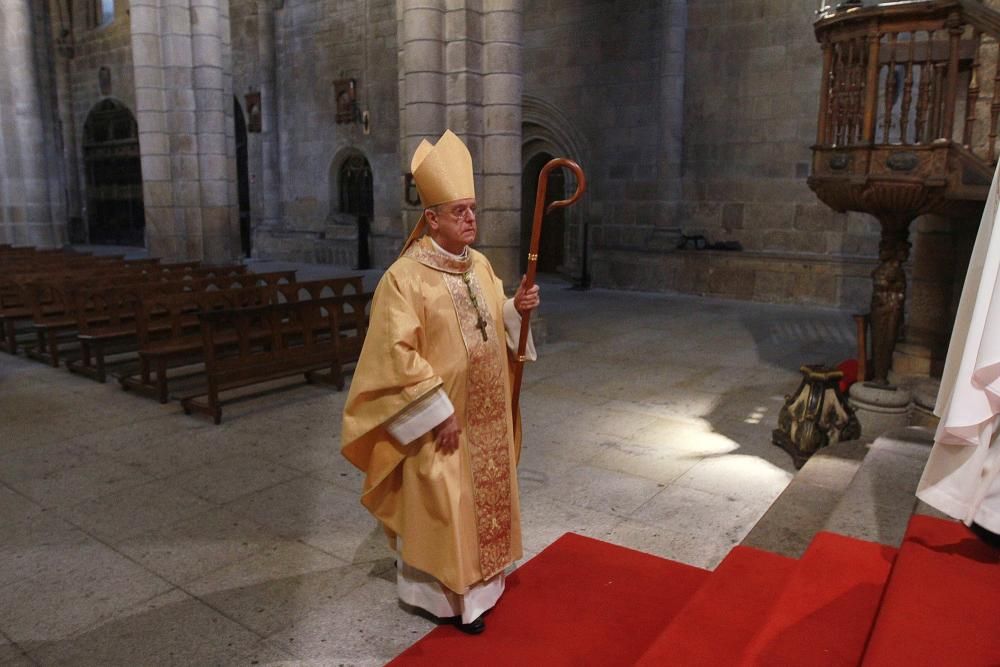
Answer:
(473, 628)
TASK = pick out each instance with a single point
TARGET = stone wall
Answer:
(316, 43)
(697, 117)
(592, 76)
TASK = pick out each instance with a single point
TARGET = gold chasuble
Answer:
(437, 323)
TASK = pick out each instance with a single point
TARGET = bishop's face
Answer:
(453, 224)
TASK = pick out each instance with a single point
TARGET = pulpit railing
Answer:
(911, 74)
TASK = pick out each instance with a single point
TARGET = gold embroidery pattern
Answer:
(423, 252)
(486, 427)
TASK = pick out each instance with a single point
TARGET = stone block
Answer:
(208, 76)
(502, 154)
(501, 88)
(425, 56)
(149, 99)
(423, 22)
(502, 57)
(424, 87)
(502, 26)
(155, 167)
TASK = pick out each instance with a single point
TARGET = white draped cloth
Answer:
(961, 478)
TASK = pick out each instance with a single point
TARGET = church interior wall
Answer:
(750, 90)
(698, 120)
(596, 64)
(107, 46)
(318, 42)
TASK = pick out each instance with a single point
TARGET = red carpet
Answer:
(579, 602)
(942, 604)
(825, 612)
(586, 602)
(725, 614)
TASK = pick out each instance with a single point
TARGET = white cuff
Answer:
(512, 323)
(420, 417)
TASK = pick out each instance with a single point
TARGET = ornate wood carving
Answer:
(895, 77)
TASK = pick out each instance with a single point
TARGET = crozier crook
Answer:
(536, 232)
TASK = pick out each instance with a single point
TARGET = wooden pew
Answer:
(175, 318)
(17, 291)
(119, 332)
(183, 344)
(56, 310)
(249, 346)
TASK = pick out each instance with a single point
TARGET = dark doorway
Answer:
(357, 199)
(113, 171)
(551, 245)
(242, 178)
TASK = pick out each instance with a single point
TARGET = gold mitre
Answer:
(443, 171)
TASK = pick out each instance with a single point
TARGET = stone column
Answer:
(62, 38)
(183, 83)
(939, 258)
(26, 216)
(270, 173)
(460, 68)
(421, 82)
(673, 44)
(502, 85)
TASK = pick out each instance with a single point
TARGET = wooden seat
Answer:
(249, 346)
(120, 305)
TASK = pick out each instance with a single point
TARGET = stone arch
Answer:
(113, 176)
(352, 204)
(546, 132)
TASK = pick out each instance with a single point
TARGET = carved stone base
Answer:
(880, 409)
(815, 416)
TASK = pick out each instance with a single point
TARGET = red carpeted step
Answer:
(722, 618)
(579, 602)
(825, 613)
(942, 604)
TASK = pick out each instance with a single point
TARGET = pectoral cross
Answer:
(480, 320)
(481, 325)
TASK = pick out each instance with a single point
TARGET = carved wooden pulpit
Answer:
(909, 105)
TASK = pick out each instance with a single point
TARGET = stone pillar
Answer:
(421, 82)
(460, 68)
(26, 215)
(62, 38)
(183, 80)
(502, 85)
(270, 173)
(673, 15)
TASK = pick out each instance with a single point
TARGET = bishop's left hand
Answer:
(526, 299)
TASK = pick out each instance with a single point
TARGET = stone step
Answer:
(878, 503)
(858, 488)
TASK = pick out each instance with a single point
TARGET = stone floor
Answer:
(131, 534)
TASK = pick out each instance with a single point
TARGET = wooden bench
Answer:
(249, 346)
(24, 297)
(57, 313)
(119, 306)
(175, 318)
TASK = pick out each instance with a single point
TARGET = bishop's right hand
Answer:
(446, 434)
